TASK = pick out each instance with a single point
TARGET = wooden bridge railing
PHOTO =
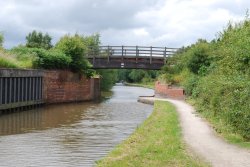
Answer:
(133, 51)
(129, 57)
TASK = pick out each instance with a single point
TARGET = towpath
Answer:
(202, 139)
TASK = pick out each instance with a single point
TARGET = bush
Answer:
(217, 75)
(24, 56)
(199, 58)
(108, 79)
(52, 59)
(227, 98)
(74, 47)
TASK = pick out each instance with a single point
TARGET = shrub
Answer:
(199, 58)
(227, 98)
(74, 47)
(217, 75)
(52, 59)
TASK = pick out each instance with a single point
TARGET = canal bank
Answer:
(157, 142)
(21, 89)
(202, 139)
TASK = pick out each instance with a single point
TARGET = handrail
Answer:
(106, 51)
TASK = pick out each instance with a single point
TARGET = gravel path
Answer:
(202, 139)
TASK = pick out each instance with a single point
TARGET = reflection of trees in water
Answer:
(43, 118)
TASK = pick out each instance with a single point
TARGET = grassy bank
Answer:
(223, 129)
(157, 142)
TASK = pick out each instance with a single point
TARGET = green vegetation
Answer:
(7, 61)
(76, 49)
(52, 59)
(149, 85)
(38, 40)
(137, 76)
(69, 53)
(157, 142)
(108, 78)
(216, 76)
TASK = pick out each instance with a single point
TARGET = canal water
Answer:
(71, 134)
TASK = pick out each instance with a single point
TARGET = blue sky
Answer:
(171, 23)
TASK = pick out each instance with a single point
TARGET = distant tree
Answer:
(1, 39)
(137, 75)
(38, 40)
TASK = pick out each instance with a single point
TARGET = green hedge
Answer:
(217, 75)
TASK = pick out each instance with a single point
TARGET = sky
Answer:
(168, 23)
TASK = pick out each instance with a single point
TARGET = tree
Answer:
(74, 47)
(38, 40)
(92, 42)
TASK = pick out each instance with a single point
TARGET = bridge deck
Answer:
(129, 57)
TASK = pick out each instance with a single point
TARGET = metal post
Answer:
(151, 54)
(6, 90)
(165, 53)
(26, 91)
(108, 53)
(22, 88)
(37, 88)
(41, 83)
(122, 52)
(10, 90)
(1, 90)
(18, 89)
(15, 91)
(137, 54)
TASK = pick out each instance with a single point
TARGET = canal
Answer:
(71, 134)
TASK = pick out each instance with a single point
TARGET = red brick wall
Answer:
(64, 86)
(168, 91)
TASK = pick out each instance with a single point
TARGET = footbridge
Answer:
(129, 57)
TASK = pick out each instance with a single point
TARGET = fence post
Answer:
(122, 52)
(108, 53)
(151, 50)
(1, 90)
(137, 54)
(165, 53)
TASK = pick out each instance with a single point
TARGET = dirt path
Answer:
(202, 139)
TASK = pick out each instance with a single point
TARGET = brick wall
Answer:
(64, 86)
(168, 91)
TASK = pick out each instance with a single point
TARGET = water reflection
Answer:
(71, 134)
(43, 118)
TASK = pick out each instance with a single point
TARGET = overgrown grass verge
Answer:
(221, 127)
(157, 142)
(149, 85)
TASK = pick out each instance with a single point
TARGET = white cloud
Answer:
(171, 23)
(140, 32)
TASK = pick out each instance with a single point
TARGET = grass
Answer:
(10, 60)
(149, 85)
(223, 130)
(157, 142)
